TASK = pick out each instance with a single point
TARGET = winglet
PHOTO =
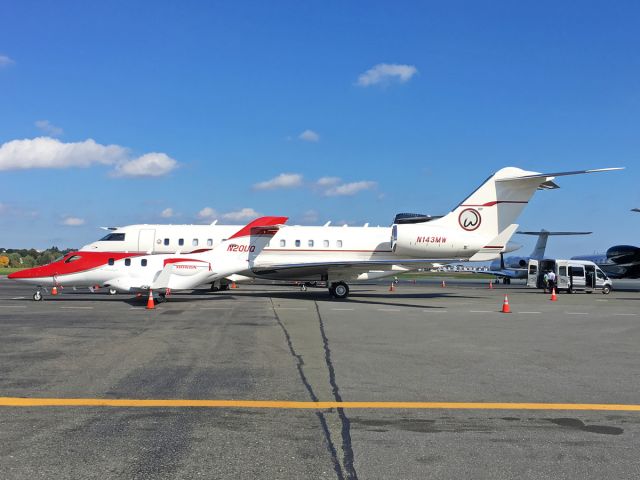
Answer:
(494, 247)
(260, 226)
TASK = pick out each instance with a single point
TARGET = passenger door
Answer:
(146, 239)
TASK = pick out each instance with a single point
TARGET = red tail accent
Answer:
(254, 227)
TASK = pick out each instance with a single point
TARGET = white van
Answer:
(571, 275)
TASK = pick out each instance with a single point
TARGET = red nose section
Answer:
(74, 262)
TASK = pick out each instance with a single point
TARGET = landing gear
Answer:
(37, 296)
(214, 288)
(339, 290)
(161, 298)
(112, 291)
(303, 288)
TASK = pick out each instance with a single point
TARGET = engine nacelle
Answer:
(623, 254)
(431, 241)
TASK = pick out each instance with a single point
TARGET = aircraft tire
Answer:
(339, 290)
(161, 298)
(112, 291)
(37, 296)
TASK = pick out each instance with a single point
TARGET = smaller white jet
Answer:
(135, 273)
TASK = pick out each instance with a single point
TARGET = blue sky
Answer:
(187, 107)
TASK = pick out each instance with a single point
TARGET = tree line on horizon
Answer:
(29, 257)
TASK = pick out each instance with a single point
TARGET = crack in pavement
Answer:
(313, 376)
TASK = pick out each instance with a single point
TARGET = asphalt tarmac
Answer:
(421, 343)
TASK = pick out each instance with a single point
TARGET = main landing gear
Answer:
(339, 290)
(37, 296)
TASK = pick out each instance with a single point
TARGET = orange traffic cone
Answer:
(443, 284)
(505, 305)
(150, 303)
(392, 287)
(554, 297)
(54, 290)
(233, 285)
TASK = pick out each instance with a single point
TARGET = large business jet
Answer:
(619, 261)
(478, 229)
(515, 267)
(135, 273)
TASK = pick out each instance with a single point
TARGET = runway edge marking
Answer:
(276, 404)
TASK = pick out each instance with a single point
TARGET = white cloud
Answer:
(167, 213)
(50, 129)
(242, 214)
(73, 221)
(5, 61)
(284, 180)
(47, 152)
(309, 136)
(328, 181)
(384, 73)
(310, 216)
(148, 165)
(207, 213)
(349, 188)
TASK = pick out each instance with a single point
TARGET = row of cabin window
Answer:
(283, 243)
(311, 243)
(194, 242)
(127, 262)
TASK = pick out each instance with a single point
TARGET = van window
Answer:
(283, 243)
(209, 242)
(600, 274)
(194, 242)
(533, 269)
(576, 271)
(562, 271)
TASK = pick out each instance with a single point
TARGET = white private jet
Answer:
(478, 229)
(160, 272)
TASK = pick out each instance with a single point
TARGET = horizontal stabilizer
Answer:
(558, 174)
(544, 232)
(492, 250)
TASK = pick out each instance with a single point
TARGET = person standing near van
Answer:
(551, 280)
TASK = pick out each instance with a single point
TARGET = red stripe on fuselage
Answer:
(178, 260)
(491, 204)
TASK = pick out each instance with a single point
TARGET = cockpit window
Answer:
(72, 258)
(113, 237)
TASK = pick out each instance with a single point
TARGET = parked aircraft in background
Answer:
(478, 229)
(516, 267)
(619, 261)
(134, 273)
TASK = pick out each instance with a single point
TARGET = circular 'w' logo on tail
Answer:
(469, 219)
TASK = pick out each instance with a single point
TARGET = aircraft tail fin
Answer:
(250, 240)
(498, 202)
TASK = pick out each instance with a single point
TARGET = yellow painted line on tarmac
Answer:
(276, 404)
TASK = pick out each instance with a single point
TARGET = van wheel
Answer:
(570, 289)
(606, 290)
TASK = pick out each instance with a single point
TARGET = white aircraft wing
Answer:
(355, 264)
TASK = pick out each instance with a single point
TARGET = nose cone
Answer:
(511, 247)
(36, 272)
